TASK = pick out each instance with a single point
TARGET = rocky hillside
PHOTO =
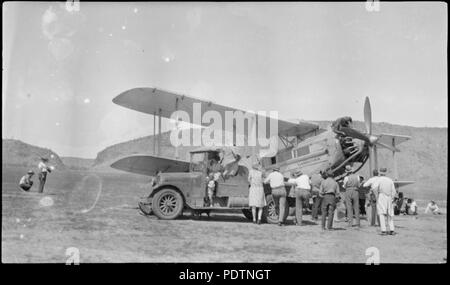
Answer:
(18, 153)
(422, 159)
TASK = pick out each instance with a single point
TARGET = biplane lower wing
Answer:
(164, 103)
(150, 165)
(399, 184)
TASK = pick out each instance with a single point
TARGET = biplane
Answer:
(178, 184)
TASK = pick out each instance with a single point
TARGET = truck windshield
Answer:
(198, 161)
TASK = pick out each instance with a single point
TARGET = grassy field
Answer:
(96, 213)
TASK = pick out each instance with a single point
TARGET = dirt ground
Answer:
(96, 214)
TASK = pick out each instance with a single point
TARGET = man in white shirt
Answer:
(386, 195)
(276, 181)
(302, 194)
(351, 185)
(373, 197)
(43, 170)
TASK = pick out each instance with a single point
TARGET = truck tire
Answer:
(270, 214)
(167, 204)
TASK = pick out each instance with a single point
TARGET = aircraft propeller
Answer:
(373, 140)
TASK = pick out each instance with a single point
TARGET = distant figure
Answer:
(316, 180)
(398, 204)
(26, 182)
(43, 170)
(411, 207)
(372, 182)
(433, 207)
(302, 194)
(256, 196)
(351, 185)
(276, 181)
(329, 190)
(386, 195)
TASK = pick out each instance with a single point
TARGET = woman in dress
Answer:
(256, 197)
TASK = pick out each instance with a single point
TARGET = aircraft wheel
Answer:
(248, 214)
(270, 213)
(167, 204)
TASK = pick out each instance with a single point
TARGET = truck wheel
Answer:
(248, 214)
(270, 213)
(167, 204)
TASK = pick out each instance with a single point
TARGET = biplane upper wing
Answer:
(150, 165)
(159, 102)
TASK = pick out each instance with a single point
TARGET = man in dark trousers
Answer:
(362, 197)
(372, 183)
(43, 170)
(329, 191)
(316, 180)
(351, 185)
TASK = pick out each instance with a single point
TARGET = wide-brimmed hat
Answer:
(276, 169)
(30, 172)
(298, 173)
(348, 168)
(329, 173)
(44, 158)
(383, 170)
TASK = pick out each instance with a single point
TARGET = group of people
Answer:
(325, 193)
(26, 183)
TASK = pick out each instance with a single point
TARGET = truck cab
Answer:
(173, 192)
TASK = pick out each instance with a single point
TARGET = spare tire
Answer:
(270, 213)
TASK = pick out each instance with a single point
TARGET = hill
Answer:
(422, 159)
(18, 153)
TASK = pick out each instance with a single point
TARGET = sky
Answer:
(62, 66)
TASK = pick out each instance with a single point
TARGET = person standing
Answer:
(351, 185)
(26, 182)
(302, 194)
(362, 197)
(316, 180)
(386, 194)
(256, 196)
(373, 197)
(329, 191)
(276, 181)
(43, 170)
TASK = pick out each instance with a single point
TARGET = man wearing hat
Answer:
(386, 194)
(329, 191)
(351, 185)
(302, 194)
(276, 181)
(26, 182)
(43, 170)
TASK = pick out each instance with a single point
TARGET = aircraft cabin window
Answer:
(303, 151)
(273, 160)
